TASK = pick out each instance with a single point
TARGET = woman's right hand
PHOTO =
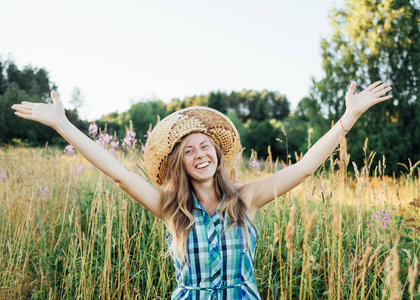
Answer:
(47, 114)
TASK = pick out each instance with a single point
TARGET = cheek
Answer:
(187, 162)
(214, 154)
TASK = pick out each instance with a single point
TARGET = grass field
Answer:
(67, 232)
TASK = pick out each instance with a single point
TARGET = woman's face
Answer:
(199, 157)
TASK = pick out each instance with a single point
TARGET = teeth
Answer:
(203, 165)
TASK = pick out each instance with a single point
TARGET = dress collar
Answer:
(197, 204)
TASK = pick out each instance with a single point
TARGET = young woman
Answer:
(188, 157)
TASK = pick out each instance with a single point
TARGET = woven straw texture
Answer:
(174, 127)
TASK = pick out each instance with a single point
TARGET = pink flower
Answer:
(79, 170)
(69, 149)
(93, 129)
(126, 142)
(148, 132)
(130, 137)
(3, 177)
(114, 146)
(100, 142)
(44, 193)
(106, 137)
(255, 164)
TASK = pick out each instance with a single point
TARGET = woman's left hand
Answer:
(358, 104)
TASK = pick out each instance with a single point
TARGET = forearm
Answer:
(323, 148)
(94, 153)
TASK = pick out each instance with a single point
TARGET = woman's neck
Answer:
(205, 193)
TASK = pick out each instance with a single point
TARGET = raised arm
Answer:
(259, 192)
(53, 115)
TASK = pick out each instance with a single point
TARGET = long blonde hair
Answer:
(177, 200)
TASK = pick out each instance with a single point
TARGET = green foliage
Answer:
(258, 106)
(145, 113)
(259, 136)
(375, 40)
(217, 102)
(30, 84)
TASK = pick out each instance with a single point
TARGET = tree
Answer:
(375, 40)
(260, 135)
(217, 101)
(30, 84)
(2, 79)
(145, 113)
(278, 103)
(174, 105)
(77, 99)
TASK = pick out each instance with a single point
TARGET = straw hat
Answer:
(174, 127)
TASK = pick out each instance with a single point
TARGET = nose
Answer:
(200, 153)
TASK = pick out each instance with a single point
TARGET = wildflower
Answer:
(3, 177)
(44, 193)
(104, 137)
(79, 170)
(323, 186)
(114, 144)
(93, 129)
(254, 164)
(148, 132)
(386, 216)
(380, 218)
(69, 149)
(130, 137)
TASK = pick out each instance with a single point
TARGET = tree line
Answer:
(371, 40)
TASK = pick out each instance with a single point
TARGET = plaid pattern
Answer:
(220, 265)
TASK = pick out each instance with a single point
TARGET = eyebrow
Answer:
(200, 144)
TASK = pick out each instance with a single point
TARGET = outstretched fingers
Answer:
(379, 88)
(380, 99)
(380, 91)
(383, 91)
(373, 85)
(28, 103)
(23, 108)
(24, 115)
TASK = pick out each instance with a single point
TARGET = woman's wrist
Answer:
(347, 121)
(61, 124)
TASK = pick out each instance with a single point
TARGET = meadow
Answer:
(68, 232)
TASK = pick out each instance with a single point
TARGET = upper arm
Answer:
(142, 191)
(259, 192)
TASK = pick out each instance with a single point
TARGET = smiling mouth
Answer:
(203, 165)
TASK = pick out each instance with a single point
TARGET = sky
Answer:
(119, 53)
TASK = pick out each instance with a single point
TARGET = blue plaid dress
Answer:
(220, 265)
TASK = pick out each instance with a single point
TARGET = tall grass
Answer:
(87, 240)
